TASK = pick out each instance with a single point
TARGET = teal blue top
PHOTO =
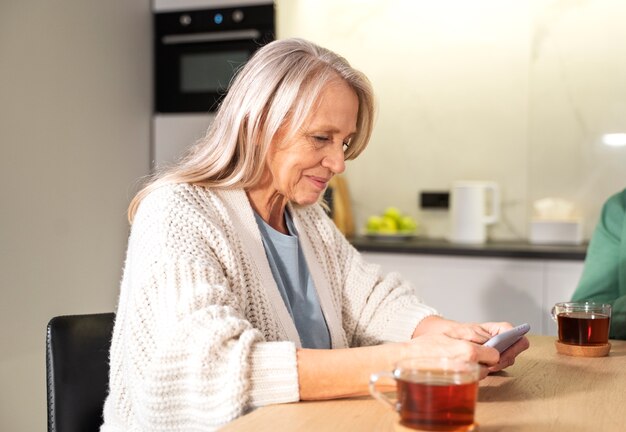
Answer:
(292, 276)
(604, 273)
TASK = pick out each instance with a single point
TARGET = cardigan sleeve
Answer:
(379, 307)
(183, 356)
(604, 272)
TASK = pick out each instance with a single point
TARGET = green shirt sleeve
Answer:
(604, 273)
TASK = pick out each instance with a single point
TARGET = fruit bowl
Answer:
(392, 225)
(390, 237)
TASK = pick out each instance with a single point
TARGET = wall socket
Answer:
(434, 200)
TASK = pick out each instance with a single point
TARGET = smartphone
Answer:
(504, 340)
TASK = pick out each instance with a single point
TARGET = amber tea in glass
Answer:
(433, 394)
(584, 324)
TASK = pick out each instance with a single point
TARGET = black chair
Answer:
(77, 366)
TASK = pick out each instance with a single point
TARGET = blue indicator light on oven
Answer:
(218, 18)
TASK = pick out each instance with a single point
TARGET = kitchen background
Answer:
(517, 92)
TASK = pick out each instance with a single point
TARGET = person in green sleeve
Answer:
(604, 273)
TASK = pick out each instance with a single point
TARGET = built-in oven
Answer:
(197, 52)
(198, 47)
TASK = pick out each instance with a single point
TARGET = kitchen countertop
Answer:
(500, 249)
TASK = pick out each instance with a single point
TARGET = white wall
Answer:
(75, 104)
(518, 92)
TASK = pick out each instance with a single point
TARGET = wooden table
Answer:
(543, 391)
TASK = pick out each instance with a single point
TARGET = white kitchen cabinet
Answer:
(486, 288)
(561, 279)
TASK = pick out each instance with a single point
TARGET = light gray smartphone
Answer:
(504, 340)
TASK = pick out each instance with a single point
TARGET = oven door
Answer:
(193, 77)
(196, 57)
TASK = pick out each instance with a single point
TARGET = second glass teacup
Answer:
(583, 323)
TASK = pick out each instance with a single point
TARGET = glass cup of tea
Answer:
(582, 323)
(432, 393)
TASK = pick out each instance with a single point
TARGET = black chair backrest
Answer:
(77, 366)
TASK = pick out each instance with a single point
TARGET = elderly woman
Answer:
(238, 290)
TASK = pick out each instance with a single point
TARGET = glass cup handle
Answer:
(553, 313)
(381, 396)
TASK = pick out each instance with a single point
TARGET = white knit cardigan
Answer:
(202, 334)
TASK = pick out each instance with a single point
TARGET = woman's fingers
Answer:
(446, 346)
(470, 332)
(507, 358)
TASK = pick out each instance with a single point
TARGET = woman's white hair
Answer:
(280, 83)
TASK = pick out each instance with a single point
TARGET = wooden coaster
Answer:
(583, 351)
(471, 428)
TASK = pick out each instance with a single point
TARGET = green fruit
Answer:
(394, 213)
(392, 221)
(407, 224)
(373, 224)
(389, 225)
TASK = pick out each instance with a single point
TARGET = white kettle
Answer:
(469, 215)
